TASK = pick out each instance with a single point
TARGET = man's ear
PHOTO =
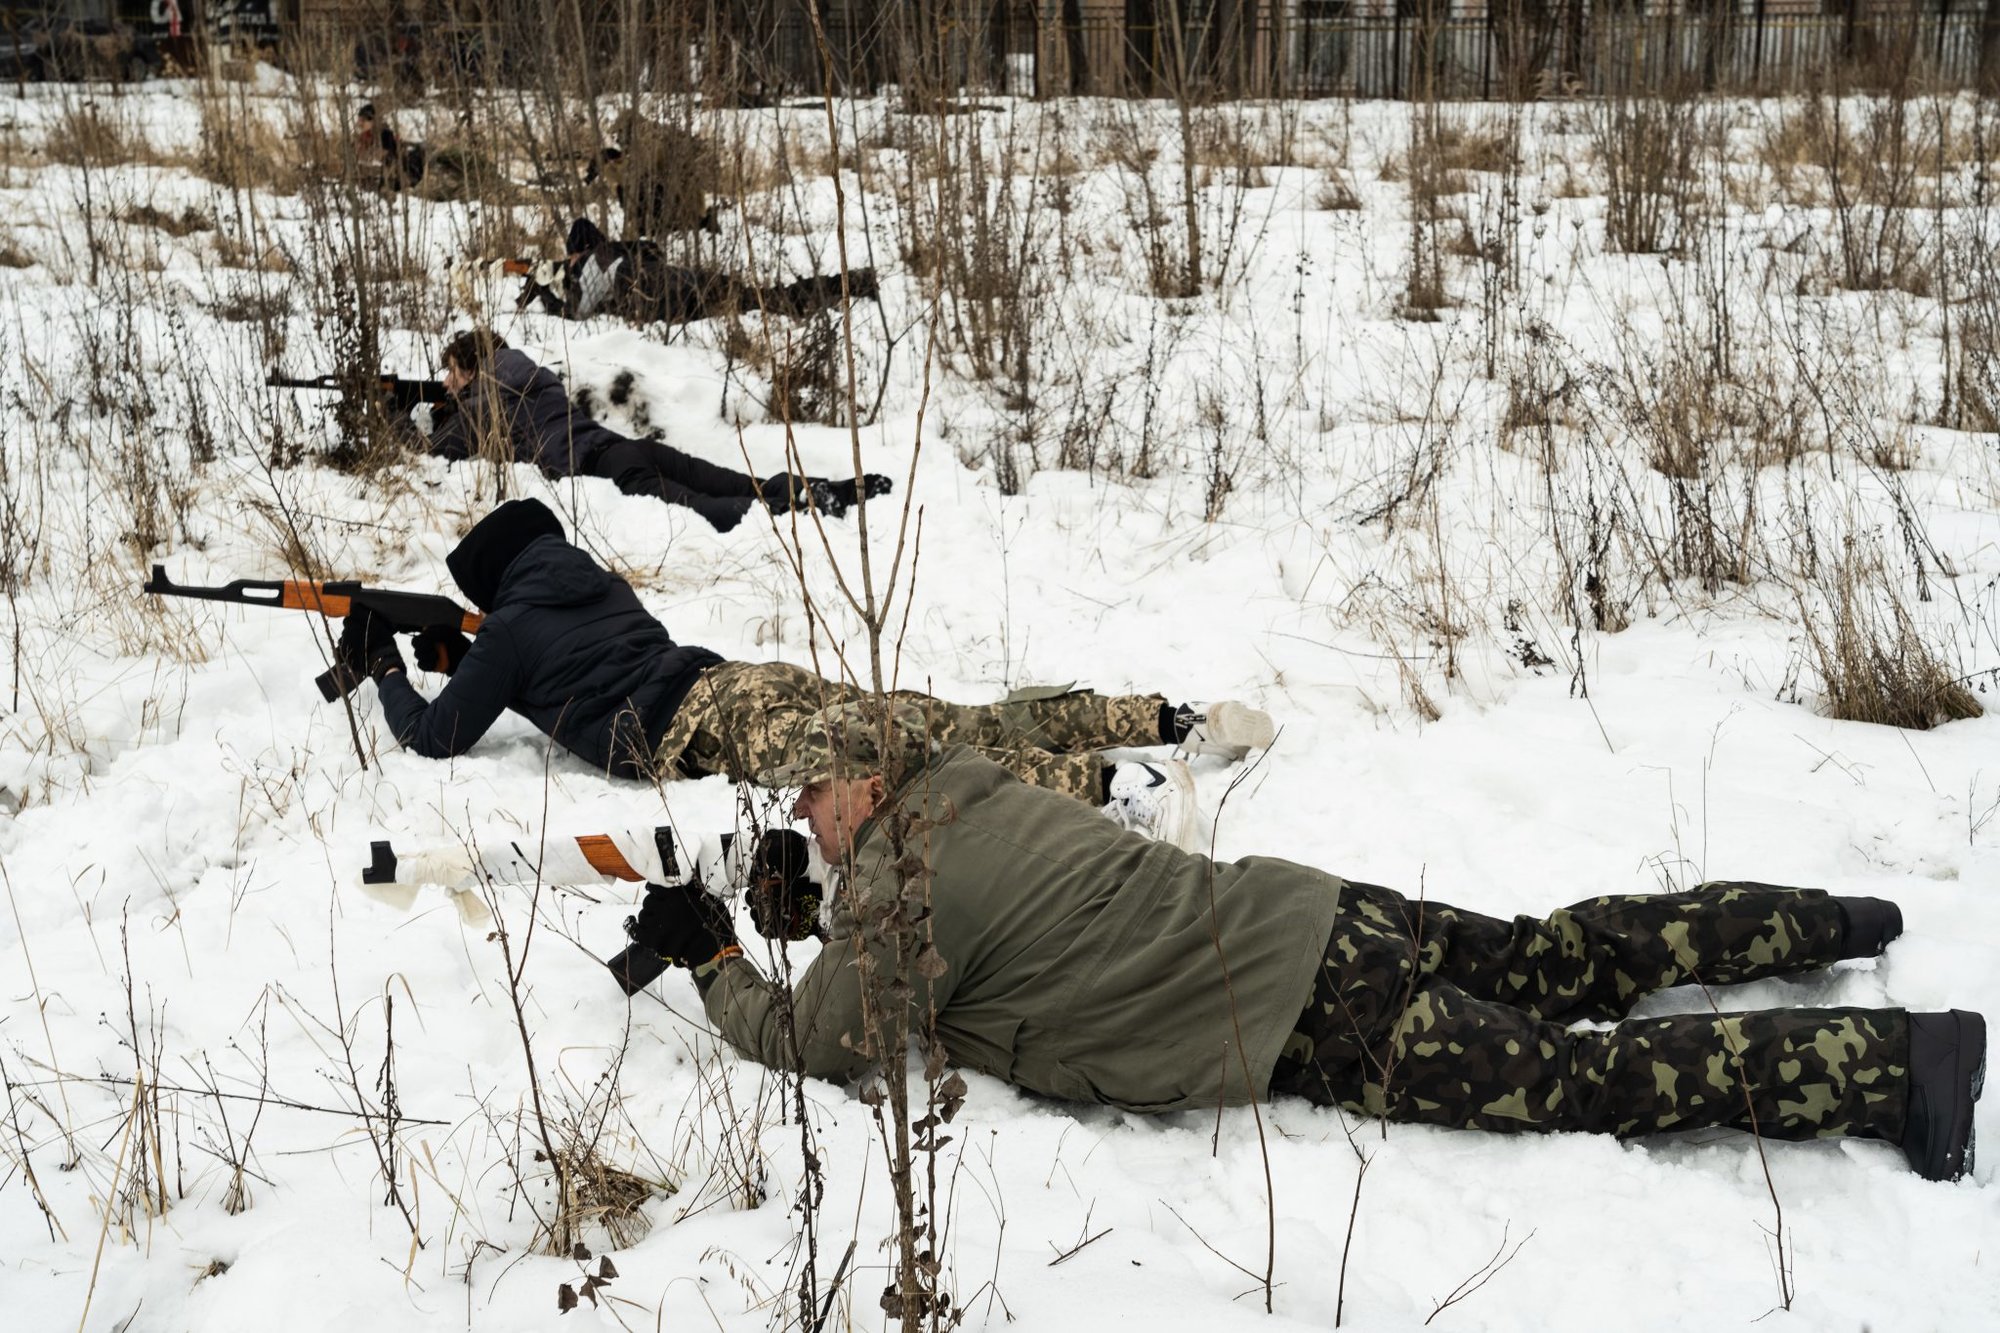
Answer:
(878, 791)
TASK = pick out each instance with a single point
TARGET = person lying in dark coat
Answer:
(567, 645)
(502, 399)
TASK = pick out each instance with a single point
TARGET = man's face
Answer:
(454, 378)
(834, 808)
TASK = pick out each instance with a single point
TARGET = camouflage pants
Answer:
(741, 718)
(1429, 1014)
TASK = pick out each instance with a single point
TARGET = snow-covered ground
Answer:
(1405, 583)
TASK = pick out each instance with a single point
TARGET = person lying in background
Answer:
(501, 403)
(634, 281)
(383, 160)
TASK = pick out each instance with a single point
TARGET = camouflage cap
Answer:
(847, 740)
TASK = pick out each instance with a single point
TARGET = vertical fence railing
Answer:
(1518, 48)
(1562, 49)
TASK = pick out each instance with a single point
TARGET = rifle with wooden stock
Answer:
(402, 394)
(408, 612)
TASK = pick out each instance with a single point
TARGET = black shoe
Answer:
(1947, 1072)
(1868, 926)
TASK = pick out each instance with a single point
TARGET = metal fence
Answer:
(1570, 48)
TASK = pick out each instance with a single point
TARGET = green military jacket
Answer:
(1079, 959)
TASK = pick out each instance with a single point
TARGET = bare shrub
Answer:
(233, 251)
(1646, 146)
(1871, 161)
(1873, 662)
(240, 146)
(1170, 265)
(1336, 195)
(187, 222)
(1973, 400)
(1430, 179)
(1970, 279)
(83, 135)
(976, 233)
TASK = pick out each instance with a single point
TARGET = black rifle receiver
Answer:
(403, 394)
(408, 612)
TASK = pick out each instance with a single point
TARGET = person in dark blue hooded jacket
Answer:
(568, 645)
(565, 643)
(499, 394)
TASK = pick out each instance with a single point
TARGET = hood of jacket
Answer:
(480, 562)
(551, 572)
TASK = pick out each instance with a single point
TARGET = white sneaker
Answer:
(1156, 798)
(1227, 728)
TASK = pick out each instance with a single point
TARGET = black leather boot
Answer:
(1868, 926)
(1947, 1072)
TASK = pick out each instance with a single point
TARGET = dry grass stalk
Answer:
(187, 222)
(240, 147)
(84, 136)
(1873, 662)
(1336, 195)
(603, 1198)
(1646, 147)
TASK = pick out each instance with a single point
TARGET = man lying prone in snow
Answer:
(634, 281)
(1074, 959)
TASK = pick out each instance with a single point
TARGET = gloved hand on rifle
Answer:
(367, 645)
(440, 648)
(679, 925)
(783, 903)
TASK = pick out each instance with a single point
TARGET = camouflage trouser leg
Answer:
(741, 720)
(1789, 1073)
(1454, 1028)
(1594, 959)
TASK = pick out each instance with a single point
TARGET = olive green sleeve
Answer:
(748, 1009)
(831, 1037)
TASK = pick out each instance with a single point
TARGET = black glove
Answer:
(440, 648)
(367, 645)
(679, 925)
(783, 903)
(835, 498)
